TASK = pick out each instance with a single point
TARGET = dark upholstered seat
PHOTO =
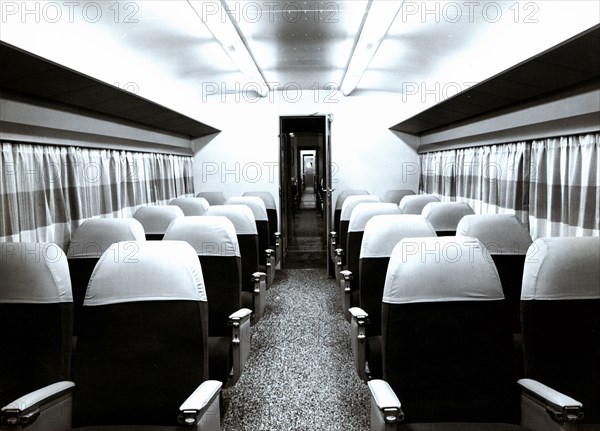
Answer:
(560, 306)
(445, 216)
(395, 196)
(447, 345)
(414, 204)
(361, 214)
(266, 255)
(36, 314)
(142, 352)
(381, 234)
(88, 243)
(254, 281)
(507, 241)
(191, 206)
(213, 198)
(156, 219)
(216, 244)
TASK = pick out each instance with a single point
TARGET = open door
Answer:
(305, 190)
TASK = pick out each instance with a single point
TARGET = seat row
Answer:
(234, 287)
(142, 351)
(437, 317)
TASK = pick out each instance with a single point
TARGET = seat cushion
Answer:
(219, 358)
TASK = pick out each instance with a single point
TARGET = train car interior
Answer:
(249, 215)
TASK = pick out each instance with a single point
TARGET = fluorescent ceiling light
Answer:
(378, 19)
(216, 17)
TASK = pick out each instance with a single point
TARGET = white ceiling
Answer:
(162, 48)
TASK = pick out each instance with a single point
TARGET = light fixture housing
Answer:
(379, 16)
(217, 18)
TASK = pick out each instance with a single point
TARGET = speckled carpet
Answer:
(300, 374)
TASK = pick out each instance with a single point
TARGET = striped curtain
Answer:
(564, 189)
(492, 179)
(46, 192)
(551, 184)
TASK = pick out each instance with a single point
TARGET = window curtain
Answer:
(46, 192)
(492, 179)
(564, 193)
(550, 184)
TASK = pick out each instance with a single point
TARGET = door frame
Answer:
(285, 174)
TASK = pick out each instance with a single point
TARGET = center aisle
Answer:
(300, 374)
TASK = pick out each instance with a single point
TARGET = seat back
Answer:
(395, 196)
(245, 228)
(339, 202)
(349, 204)
(445, 216)
(191, 206)
(88, 243)
(414, 204)
(507, 241)
(361, 214)
(271, 210)
(36, 312)
(156, 219)
(261, 219)
(560, 305)
(213, 198)
(216, 244)
(447, 346)
(382, 233)
(142, 346)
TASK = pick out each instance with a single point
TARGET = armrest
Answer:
(240, 340)
(48, 407)
(277, 236)
(202, 408)
(345, 280)
(386, 410)
(270, 254)
(260, 292)
(358, 334)
(543, 408)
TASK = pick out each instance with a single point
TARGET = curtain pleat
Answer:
(550, 184)
(564, 191)
(46, 191)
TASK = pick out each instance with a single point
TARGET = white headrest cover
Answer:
(96, 235)
(33, 273)
(364, 211)
(156, 219)
(133, 271)
(414, 204)
(255, 203)
(500, 233)
(209, 235)
(339, 202)
(213, 198)
(266, 197)
(191, 206)
(395, 196)
(562, 268)
(445, 216)
(383, 232)
(439, 270)
(241, 216)
(351, 201)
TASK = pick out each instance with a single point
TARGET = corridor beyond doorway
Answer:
(307, 248)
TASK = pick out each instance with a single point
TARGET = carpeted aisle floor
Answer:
(300, 374)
